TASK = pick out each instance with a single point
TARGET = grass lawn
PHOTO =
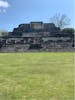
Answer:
(37, 76)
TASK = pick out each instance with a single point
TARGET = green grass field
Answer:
(37, 76)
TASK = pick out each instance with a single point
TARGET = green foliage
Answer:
(68, 30)
(37, 76)
(4, 33)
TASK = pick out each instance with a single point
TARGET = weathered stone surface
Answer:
(37, 35)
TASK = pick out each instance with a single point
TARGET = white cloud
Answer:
(2, 10)
(4, 4)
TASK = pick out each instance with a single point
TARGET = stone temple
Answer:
(37, 36)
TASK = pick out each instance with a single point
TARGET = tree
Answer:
(70, 31)
(4, 33)
(60, 20)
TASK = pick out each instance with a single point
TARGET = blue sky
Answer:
(16, 12)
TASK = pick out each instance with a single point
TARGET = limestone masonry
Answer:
(37, 36)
